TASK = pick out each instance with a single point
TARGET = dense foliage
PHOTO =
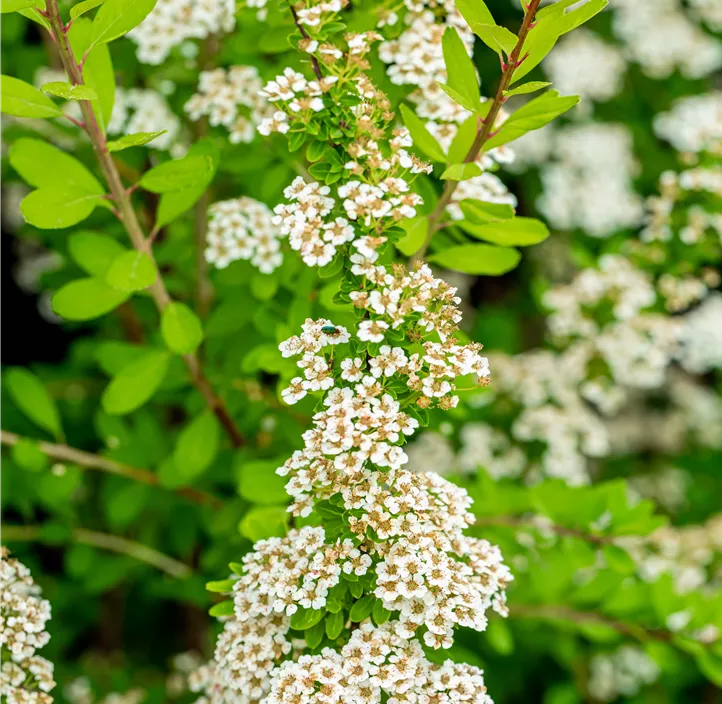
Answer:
(273, 464)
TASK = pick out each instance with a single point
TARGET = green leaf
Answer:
(556, 8)
(29, 456)
(710, 664)
(423, 139)
(181, 328)
(259, 483)
(577, 17)
(518, 232)
(334, 625)
(133, 140)
(480, 259)
(31, 13)
(39, 164)
(459, 68)
(263, 522)
(98, 70)
(94, 253)
(222, 608)
(461, 172)
(314, 635)
(135, 384)
(222, 586)
(197, 446)
(535, 114)
(68, 91)
(15, 5)
(498, 39)
(499, 636)
(618, 559)
(176, 203)
(82, 7)
(475, 12)
(416, 230)
(362, 608)
(551, 25)
(116, 17)
(526, 88)
(31, 397)
(463, 100)
(86, 299)
(306, 618)
(131, 271)
(177, 175)
(481, 212)
(539, 42)
(20, 99)
(380, 613)
(464, 138)
(57, 206)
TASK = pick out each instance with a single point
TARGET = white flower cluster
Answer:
(688, 553)
(573, 306)
(481, 446)
(230, 97)
(418, 577)
(416, 57)
(585, 65)
(242, 228)
(589, 185)
(140, 110)
(621, 673)
(661, 36)
(701, 337)
(694, 124)
(317, 232)
(173, 22)
(25, 678)
(709, 11)
(374, 661)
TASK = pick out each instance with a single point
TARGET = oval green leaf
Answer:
(94, 253)
(39, 163)
(57, 206)
(86, 299)
(20, 99)
(479, 259)
(181, 328)
(131, 271)
(177, 175)
(135, 384)
(68, 91)
(32, 398)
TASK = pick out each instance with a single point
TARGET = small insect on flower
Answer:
(330, 330)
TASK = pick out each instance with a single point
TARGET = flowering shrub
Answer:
(262, 224)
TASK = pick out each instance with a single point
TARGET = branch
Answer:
(88, 460)
(484, 131)
(204, 290)
(541, 526)
(113, 543)
(129, 218)
(304, 34)
(563, 613)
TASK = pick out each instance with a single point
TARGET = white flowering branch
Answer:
(127, 215)
(484, 129)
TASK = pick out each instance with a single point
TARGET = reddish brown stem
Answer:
(128, 217)
(484, 132)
